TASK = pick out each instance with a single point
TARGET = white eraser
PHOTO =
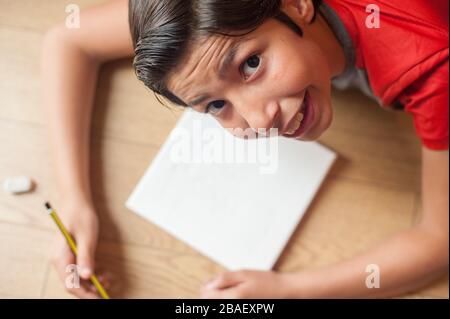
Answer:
(16, 185)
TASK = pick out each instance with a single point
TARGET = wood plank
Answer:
(346, 217)
(373, 144)
(116, 169)
(361, 115)
(382, 162)
(372, 192)
(38, 15)
(24, 256)
(120, 99)
(437, 289)
(19, 79)
(146, 272)
(24, 152)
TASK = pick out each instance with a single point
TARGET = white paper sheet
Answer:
(231, 212)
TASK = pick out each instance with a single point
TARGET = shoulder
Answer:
(409, 40)
(427, 101)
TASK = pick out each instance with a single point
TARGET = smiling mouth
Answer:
(296, 122)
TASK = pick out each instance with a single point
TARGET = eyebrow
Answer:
(227, 61)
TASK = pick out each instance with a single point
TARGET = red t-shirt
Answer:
(405, 59)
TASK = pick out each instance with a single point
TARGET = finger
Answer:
(225, 280)
(228, 293)
(62, 259)
(91, 287)
(82, 289)
(86, 256)
(83, 292)
(105, 281)
(211, 294)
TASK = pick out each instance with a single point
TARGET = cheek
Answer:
(291, 72)
(295, 67)
(317, 66)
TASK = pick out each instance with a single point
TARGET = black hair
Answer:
(161, 31)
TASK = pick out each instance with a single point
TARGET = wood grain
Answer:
(372, 191)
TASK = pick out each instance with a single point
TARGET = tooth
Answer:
(298, 120)
(292, 130)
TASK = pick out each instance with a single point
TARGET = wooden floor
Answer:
(371, 192)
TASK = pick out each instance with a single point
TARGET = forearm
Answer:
(69, 79)
(406, 262)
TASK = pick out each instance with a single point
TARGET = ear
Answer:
(304, 8)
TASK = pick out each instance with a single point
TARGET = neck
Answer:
(330, 45)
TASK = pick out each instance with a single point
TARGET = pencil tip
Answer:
(47, 205)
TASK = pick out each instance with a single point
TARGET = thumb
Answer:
(225, 280)
(86, 256)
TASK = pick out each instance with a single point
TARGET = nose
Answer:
(260, 115)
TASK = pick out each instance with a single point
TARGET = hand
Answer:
(81, 221)
(248, 284)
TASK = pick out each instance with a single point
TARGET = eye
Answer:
(215, 107)
(251, 65)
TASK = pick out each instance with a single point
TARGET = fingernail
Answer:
(211, 284)
(85, 272)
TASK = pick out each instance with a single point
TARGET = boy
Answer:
(261, 65)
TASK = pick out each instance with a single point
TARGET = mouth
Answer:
(301, 122)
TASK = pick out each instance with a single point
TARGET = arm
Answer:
(407, 261)
(70, 62)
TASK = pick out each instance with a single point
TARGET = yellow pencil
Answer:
(72, 245)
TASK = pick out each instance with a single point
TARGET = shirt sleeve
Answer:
(427, 100)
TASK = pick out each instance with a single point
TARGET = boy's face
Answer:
(265, 84)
